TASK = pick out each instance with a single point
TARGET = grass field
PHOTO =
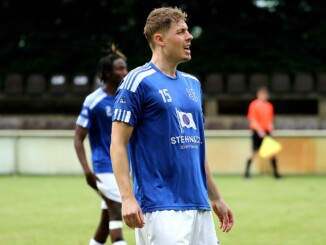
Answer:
(62, 210)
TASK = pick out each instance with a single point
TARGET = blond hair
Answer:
(160, 19)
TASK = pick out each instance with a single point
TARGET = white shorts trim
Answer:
(190, 227)
(108, 187)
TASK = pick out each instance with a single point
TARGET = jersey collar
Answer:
(159, 71)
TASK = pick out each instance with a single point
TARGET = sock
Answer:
(274, 165)
(248, 167)
(120, 243)
(93, 242)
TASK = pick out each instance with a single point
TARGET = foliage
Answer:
(50, 36)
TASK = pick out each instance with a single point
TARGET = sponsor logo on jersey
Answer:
(185, 142)
(184, 139)
(192, 94)
(186, 120)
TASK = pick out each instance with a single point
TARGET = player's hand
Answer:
(261, 133)
(132, 213)
(91, 180)
(224, 215)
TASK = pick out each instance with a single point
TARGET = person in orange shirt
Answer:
(260, 115)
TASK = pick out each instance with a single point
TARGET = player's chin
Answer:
(186, 58)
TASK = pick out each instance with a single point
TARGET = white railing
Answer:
(52, 151)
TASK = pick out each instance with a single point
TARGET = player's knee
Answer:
(115, 211)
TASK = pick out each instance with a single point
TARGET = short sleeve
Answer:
(128, 106)
(85, 117)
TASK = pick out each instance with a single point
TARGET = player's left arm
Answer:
(219, 206)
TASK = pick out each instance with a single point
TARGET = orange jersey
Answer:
(262, 113)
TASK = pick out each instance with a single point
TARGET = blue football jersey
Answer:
(167, 146)
(96, 116)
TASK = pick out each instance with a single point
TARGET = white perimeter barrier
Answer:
(52, 152)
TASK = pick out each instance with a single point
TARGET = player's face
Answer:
(177, 42)
(263, 95)
(119, 71)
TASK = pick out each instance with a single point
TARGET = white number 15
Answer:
(165, 95)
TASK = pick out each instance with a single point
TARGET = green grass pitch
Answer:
(62, 210)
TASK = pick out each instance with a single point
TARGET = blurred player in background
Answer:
(158, 111)
(95, 119)
(261, 116)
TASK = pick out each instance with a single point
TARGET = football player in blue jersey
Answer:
(158, 119)
(95, 120)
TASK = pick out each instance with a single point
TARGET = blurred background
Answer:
(49, 51)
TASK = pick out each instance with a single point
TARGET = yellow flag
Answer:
(269, 147)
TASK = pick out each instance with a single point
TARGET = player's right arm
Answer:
(80, 135)
(257, 127)
(131, 211)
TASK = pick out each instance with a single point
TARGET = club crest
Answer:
(192, 94)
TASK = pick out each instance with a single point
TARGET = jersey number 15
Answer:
(165, 95)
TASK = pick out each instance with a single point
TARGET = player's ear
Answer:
(158, 39)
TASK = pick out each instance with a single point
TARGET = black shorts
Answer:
(256, 140)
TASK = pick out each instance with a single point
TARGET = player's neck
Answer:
(164, 65)
(262, 100)
(110, 89)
